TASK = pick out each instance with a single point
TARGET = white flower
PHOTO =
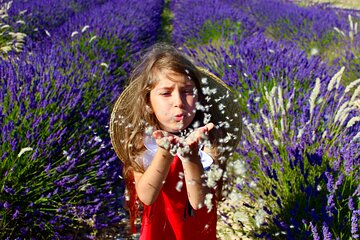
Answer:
(239, 168)
(92, 38)
(213, 175)
(351, 85)
(204, 81)
(335, 79)
(24, 150)
(20, 22)
(104, 65)
(355, 94)
(74, 33)
(179, 185)
(253, 184)
(221, 106)
(207, 118)
(260, 217)
(313, 97)
(47, 33)
(208, 202)
(85, 28)
(353, 121)
(314, 51)
(208, 90)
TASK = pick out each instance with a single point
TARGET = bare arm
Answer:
(193, 169)
(148, 184)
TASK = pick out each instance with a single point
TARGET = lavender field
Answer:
(296, 67)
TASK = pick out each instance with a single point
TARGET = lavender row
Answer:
(298, 161)
(41, 16)
(57, 163)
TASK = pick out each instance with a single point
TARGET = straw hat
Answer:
(224, 110)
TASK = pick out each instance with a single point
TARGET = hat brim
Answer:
(227, 118)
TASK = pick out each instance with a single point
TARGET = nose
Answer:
(178, 100)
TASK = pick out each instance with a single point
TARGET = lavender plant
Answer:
(298, 162)
(303, 179)
(218, 20)
(60, 177)
(45, 16)
(54, 168)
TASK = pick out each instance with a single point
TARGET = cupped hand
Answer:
(198, 135)
(179, 145)
(164, 139)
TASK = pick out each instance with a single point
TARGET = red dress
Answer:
(171, 216)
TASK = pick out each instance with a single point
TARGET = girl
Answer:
(160, 128)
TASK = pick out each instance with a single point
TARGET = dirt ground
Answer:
(349, 4)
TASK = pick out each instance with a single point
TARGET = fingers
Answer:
(166, 140)
(199, 134)
(159, 134)
(163, 139)
(209, 126)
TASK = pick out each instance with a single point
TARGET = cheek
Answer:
(192, 101)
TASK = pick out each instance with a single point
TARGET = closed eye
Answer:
(190, 91)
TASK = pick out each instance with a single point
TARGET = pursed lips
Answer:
(179, 117)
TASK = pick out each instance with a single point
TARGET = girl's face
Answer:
(173, 100)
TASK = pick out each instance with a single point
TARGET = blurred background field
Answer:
(295, 65)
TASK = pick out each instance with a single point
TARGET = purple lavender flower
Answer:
(355, 224)
(314, 231)
(326, 232)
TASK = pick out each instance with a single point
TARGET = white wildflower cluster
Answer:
(353, 30)
(16, 39)
(74, 33)
(213, 175)
(275, 103)
(237, 167)
(260, 215)
(208, 201)
(237, 216)
(344, 108)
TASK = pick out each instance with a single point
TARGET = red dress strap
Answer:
(171, 215)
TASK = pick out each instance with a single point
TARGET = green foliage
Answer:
(216, 31)
(286, 30)
(166, 23)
